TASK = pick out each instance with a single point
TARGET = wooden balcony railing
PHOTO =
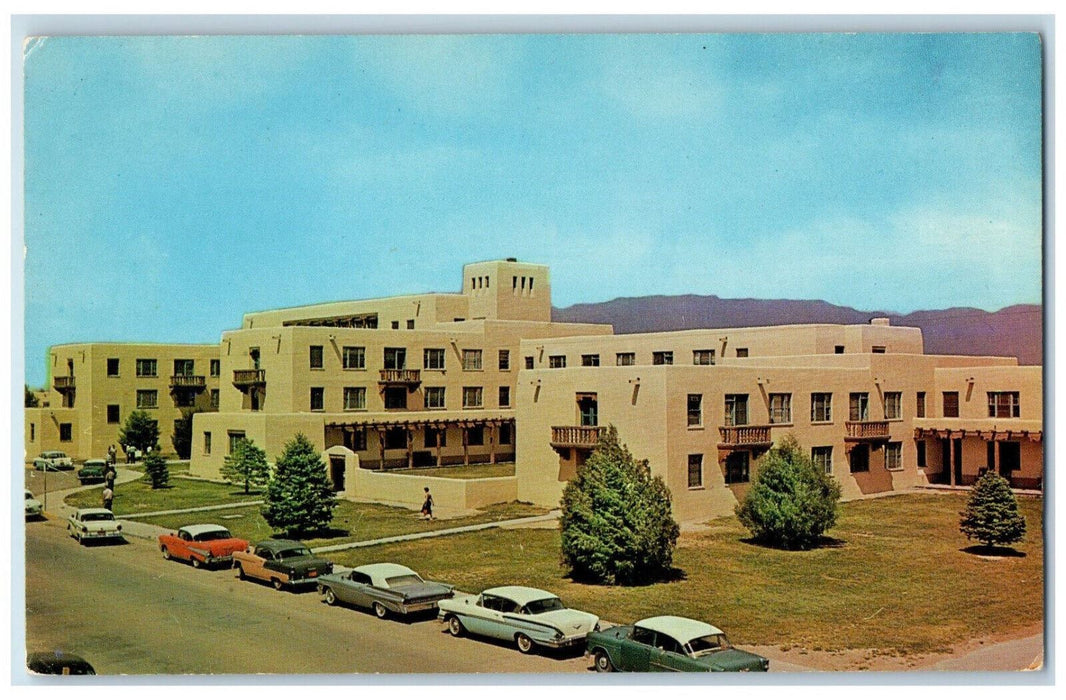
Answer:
(745, 436)
(245, 378)
(63, 383)
(401, 376)
(866, 430)
(196, 382)
(585, 436)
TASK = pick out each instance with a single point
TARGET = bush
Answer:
(617, 524)
(155, 468)
(299, 494)
(246, 465)
(790, 502)
(991, 516)
(140, 431)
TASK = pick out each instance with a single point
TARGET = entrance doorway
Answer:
(336, 472)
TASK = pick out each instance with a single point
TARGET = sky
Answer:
(173, 184)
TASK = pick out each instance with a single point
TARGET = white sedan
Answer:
(89, 524)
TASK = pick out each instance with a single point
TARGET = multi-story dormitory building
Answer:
(485, 376)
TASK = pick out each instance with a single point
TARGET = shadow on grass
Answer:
(822, 542)
(993, 551)
(671, 575)
(241, 494)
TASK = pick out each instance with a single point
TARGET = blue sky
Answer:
(172, 184)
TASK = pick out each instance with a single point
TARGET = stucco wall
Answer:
(448, 494)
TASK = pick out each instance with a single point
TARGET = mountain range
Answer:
(1015, 331)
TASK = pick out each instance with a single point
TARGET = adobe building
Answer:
(93, 387)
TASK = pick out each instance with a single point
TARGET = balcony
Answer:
(866, 431)
(245, 379)
(193, 382)
(579, 436)
(401, 377)
(742, 436)
(63, 384)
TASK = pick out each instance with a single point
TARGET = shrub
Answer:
(617, 524)
(299, 495)
(155, 468)
(991, 516)
(790, 502)
(246, 465)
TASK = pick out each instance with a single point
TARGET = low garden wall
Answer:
(448, 494)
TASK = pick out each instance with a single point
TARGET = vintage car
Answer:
(92, 472)
(58, 663)
(203, 545)
(90, 524)
(53, 460)
(526, 616)
(669, 643)
(281, 563)
(383, 588)
(34, 509)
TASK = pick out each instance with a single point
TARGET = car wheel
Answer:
(381, 611)
(277, 584)
(240, 572)
(166, 553)
(602, 661)
(454, 626)
(329, 596)
(525, 644)
(197, 563)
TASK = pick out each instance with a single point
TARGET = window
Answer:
(894, 456)
(823, 458)
(147, 398)
(395, 358)
(920, 411)
(505, 434)
(557, 361)
(859, 459)
(318, 398)
(475, 435)
(184, 399)
(33, 432)
(184, 368)
(742, 352)
(703, 357)
(590, 360)
(821, 407)
(471, 360)
(112, 366)
(66, 432)
(625, 359)
(588, 409)
(253, 354)
(859, 406)
(505, 360)
(433, 358)
(410, 324)
(207, 443)
(893, 405)
(396, 439)
(737, 469)
(235, 436)
(146, 368)
(1003, 404)
(695, 471)
(395, 325)
(214, 398)
(316, 357)
(432, 435)
(505, 396)
(113, 413)
(529, 362)
(353, 357)
(355, 439)
(395, 397)
(921, 454)
(780, 408)
(472, 397)
(878, 349)
(695, 409)
(736, 409)
(354, 398)
(839, 349)
(951, 404)
(434, 397)
(216, 368)
(662, 357)
(1010, 456)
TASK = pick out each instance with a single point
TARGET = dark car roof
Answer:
(278, 545)
(58, 663)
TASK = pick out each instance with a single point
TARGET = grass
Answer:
(139, 496)
(899, 578)
(476, 471)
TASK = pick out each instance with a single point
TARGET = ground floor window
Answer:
(33, 432)
(475, 435)
(113, 413)
(505, 434)
(354, 439)
(396, 439)
(859, 459)
(66, 432)
(431, 438)
(207, 443)
(1010, 456)
(894, 455)
(234, 437)
(695, 471)
(921, 453)
(823, 458)
(737, 468)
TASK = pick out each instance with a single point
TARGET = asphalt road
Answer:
(127, 611)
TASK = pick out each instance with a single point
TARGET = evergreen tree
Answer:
(617, 524)
(182, 437)
(30, 397)
(155, 468)
(247, 465)
(791, 502)
(299, 494)
(991, 516)
(140, 431)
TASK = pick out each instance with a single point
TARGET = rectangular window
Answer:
(315, 358)
(33, 432)
(737, 468)
(113, 413)
(184, 399)
(1003, 404)
(823, 458)
(695, 471)
(472, 397)
(894, 456)
(112, 366)
(505, 360)
(921, 453)
(780, 408)
(920, 409)
(318, 398)
(590, 360)
(662, 357)
(821, 407)
(235, 436)
(395, 397)
(147, 398)
(529, 362)
(410, 324)
(214, 398)
(184, 368)
(859, 406)
(893, 405)
(471, 360)
(1010, 456)
(839, 349)
(66, 432)
(557, 361)
(434, 397)
(354, 398)
(216, 368)
(207, 443)
(146, 368)
(588, 409)
(353, 357)
(395, 358)
(736, 409)
(625, 359)
(878, 349)
(859, 459)
(951, 404)
(505, 434)
(395, 325)
(703, 357)
(505, 397)
(742, 352)
(433, 358)
(355, 439)
(431, 436)
(695, 409)
(475, 435)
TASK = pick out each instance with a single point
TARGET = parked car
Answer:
(90, 524)
(383, 588)
(526, 616)
(281, 563)
(203, 545)
(669, 643)
(58, 663)
(34, 509)
(92, 472)
(53, 460)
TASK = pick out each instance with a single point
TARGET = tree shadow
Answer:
(671, 575)
(324, 534)
(823, 542)
(982, 550)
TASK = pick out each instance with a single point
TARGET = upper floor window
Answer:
(703, 357)
(183, 368)
(821, 407)
(113, 413)
(780, 408)
(951, 404)
(433, 358)
(878, 349)
(318, 398)
(395, 397)
(472, 397)
(214, 398)
(434, 397)
(505, 397)
(471, 360)
(588, 409)
(354, 398)
(742, 352)
(147, 398)
(557, 361)
(695, 409)
(505, 360)
(216, 368)
(920, 408)
(529, 362)
(395, 358)
(1003, 404)
(590, 360)
(410, 324)
(353, 357)
(893, 405)
(624, 359)
(316, 357)
(736, 409)
(859, 406)
(662, 357)
(112, 366)
(147, 368)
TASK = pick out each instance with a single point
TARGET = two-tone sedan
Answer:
(93, 524)
(383, 588)
(669, 643)
(281, 563)
(527, 616)
(203, 545)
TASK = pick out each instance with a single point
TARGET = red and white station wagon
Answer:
(203, 545)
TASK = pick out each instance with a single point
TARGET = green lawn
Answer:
(897, 580)
(139, 496)
(473, 471)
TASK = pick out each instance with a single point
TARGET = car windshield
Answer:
(544, 605)
(404, 580)
(707, 644)
(222, 534)
(90, 517)
(294, 552)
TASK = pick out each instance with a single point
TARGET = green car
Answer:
(93, 472)
(669, 643)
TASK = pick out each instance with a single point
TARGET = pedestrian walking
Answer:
(427, 505)
(111, 452)
(109, 497)
(109, 476)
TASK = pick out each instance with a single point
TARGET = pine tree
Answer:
(299, 494)
(182, 436)
(617, 523)
(991, 516)
(155, 468)
(247, 465)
